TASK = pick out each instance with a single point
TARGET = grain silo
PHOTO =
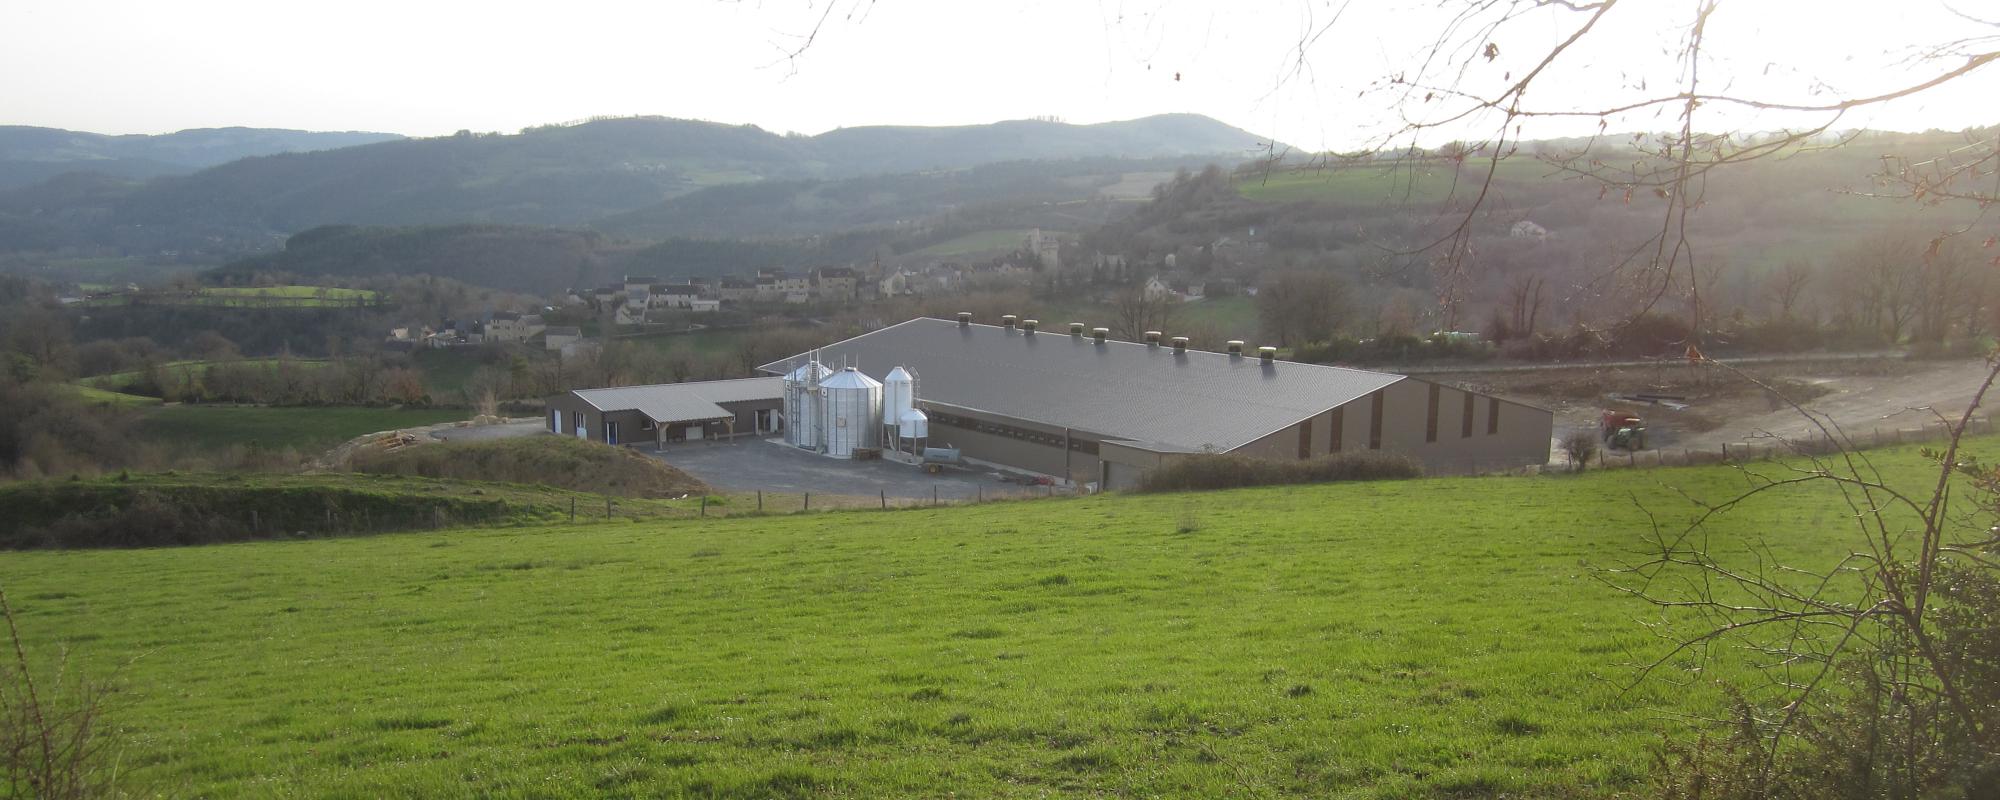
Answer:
(852, 404)
(803, 404)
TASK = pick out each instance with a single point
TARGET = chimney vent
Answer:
(1267, 355)
(964, 318)
(1008, 320)
(1180, 345)
(1153, 338)
(1076, 329)
(1100, 334)
(1236, 347)
(1028, 325)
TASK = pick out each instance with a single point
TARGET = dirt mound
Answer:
(559, 461)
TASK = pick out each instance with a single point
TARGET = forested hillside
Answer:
(550, 175)
(30, 154)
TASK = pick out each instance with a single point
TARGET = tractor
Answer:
(1622, 431)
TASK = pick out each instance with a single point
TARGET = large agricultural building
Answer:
(1076, 405)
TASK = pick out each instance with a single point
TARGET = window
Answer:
(1492, 415)
(1465, 425)
(1431, 417)
(1375, 420)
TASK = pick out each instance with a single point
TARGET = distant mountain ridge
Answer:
(31, 154)
(567, 175)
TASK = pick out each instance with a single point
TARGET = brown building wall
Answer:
(1522, 436)
(1016, 443)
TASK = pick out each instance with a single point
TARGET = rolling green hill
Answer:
(30, 154)
(1428, 638)
(550, 175)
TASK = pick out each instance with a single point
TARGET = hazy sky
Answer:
(429, 67)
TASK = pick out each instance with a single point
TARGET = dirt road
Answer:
(1861, 403)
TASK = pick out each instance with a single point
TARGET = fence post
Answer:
(607, 507)
(253, 520)
(704, 504)
(979, 495)
(760, 499)
(809, 501)
(572, 509)
(933, 494)
(1725, 452)
(885, 498)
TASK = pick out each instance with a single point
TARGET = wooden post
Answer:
(933, 494)
(808, 501)
(760, 499)
(1725, 452)
(607, 507)
(980, 494)
(885, 498)
(572, 509)
(253, 520)
(704, 504)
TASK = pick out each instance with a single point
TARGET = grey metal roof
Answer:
(683, 402)
(1119, 390)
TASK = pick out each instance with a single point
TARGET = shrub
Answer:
(1220, 471)
(1581, 447)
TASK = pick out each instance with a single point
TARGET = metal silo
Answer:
(914, 425)
(803, 404)
(899, 394)
(853, 412)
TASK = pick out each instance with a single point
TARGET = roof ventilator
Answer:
(1180, 345)
(1100, 334)
(1236, 347)
(1028, 326)
(1007, 321)
(1153, 338)
(1076, 329)
(1267, 355)
(964, 319)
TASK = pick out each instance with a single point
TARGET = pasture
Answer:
(307, 429)
(1425, 638)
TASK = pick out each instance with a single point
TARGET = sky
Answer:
(432, 67)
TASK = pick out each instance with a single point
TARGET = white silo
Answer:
(899, 394)
(803, 404)
(914, 425)
(853, 412)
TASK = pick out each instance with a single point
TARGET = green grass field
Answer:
(1374, 185)
(252, 297)
(1439, 638)
(305, 429)
(112, 380)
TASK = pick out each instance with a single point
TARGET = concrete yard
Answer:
(748, 464)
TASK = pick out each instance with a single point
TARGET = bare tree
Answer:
(1882, 670)
(1302, 306)
(1786, 287)
(1524, 297)
(1879, 284)
(1134, 311)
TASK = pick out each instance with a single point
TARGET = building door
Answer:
(610, 432)
(694, 432)
(764, 421)
(555, 420)
(582, 426)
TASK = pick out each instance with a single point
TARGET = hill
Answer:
(1427, 638)
(29, 154)
(550, 175)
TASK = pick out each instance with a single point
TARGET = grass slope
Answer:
(305, 429)
(1428, 638)
(563, 462)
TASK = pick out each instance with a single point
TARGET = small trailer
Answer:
(937, 458)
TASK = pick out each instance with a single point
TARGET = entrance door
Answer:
(555, 420)
(582, 426)
(764, 420)
(694, 432)
(610, 432)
